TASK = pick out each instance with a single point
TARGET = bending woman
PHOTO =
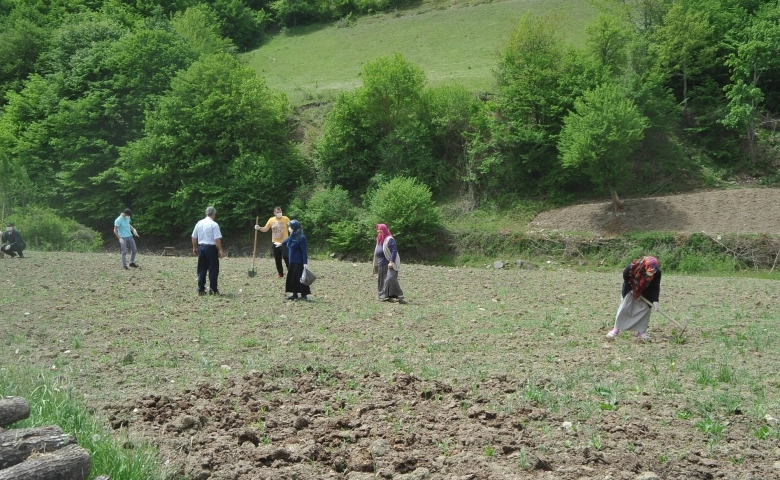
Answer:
(298, 256)
(641, 278)
(387, 261)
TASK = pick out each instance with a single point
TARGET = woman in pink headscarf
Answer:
(386, 265)
(641, 278)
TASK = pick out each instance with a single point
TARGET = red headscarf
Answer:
(383, 233)
(641, 274)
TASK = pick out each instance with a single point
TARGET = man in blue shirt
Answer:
(124, 231)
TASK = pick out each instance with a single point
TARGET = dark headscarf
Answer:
(297, 232)
(384, 232)
(641, 274)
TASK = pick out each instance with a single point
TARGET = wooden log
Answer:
(13, 409)
(17, 445)
(69, 463)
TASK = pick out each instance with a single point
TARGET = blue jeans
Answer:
(124, 243)
(208, 261)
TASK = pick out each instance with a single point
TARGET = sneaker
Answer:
(402, 301)
(125, 267)
(305, 298)
(613, 333)
(200, 292)
(383, 299)
(291, 298)
(134, 265)
(643, 336)
(214, 292)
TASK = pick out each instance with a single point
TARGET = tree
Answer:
(244, 26)
(199, 26)
(513, 142)
(600, 134)
(219, 137)
(685, 44)
(754, 65)
(21, 42)
(66, 127)
(381, 128)
(532, 63)
(608, 40)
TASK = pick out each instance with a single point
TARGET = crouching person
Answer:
(13, 244)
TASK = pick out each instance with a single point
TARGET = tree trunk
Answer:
(13, 409)
(616, 200)
(69, 463)
(685, 90)
(17, 445)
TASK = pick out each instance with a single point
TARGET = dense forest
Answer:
(107, 104)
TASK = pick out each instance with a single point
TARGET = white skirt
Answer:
(632, 315)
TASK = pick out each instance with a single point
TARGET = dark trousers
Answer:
(11, 252)
(280, 253)
(208, 261)
(293, 283)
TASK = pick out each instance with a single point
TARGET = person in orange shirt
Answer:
(279, 226)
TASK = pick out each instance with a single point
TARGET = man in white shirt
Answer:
(207, 245)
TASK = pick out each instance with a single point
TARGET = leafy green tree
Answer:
(66, 127)
(685, 45)
(449, 110)
(25, 133)
(608, 40)
(288, 12)
(21, 43)
(644, 15)
(381, 128)
(392, 87)
(539, 78)
(600, 134)
(532, 63)
(240, 23)
(220, 137)
(754, 65)
(200, 28)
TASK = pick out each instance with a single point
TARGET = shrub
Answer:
(406, 207)
(323, 210)
(54, 232)
(352, 237)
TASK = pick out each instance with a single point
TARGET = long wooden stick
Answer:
(676, 324)
(254, 251)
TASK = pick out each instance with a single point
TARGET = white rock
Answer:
(647, 476)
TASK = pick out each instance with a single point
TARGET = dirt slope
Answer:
(744, 210)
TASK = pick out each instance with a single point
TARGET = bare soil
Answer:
(743, 210)
(484, 374)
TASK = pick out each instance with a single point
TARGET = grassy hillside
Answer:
(452, 44)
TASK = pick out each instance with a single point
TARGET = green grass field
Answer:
(456, 44)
